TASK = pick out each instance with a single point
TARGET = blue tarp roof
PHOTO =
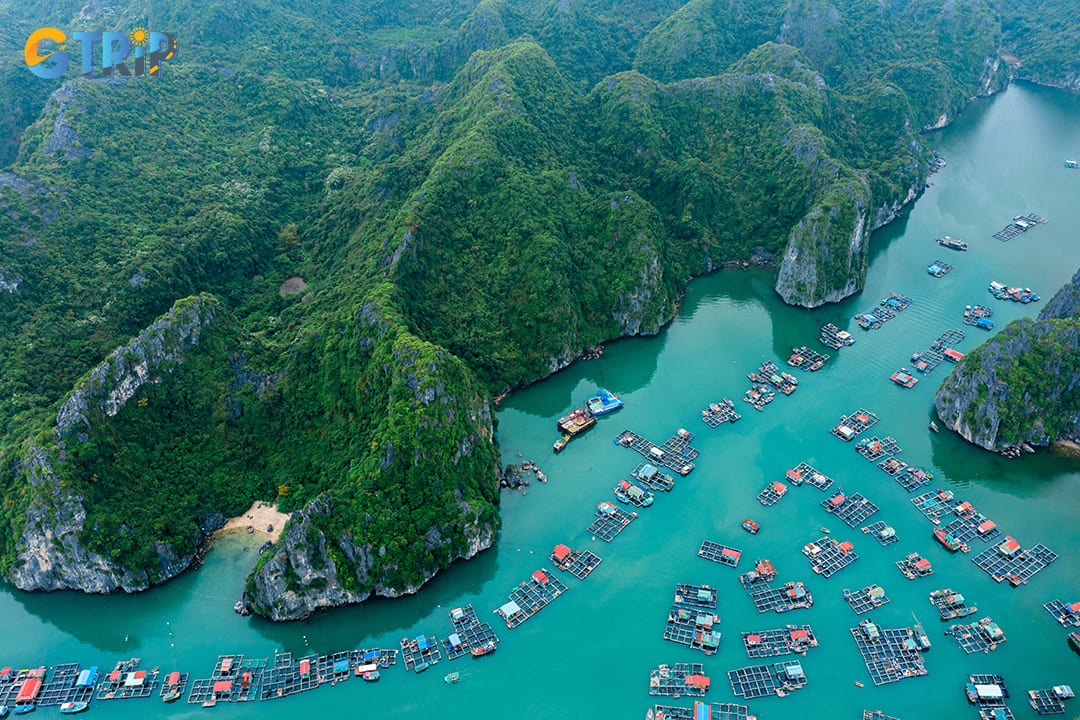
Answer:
(371, 655)
(341, 666)
(421, 642)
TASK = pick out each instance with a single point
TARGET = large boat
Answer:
(576, 422)
(951, 242)
(950, 542)
(421, 667)
(922, 640)
(485, 649)
(903, 378)
(1074, 641)
(603, 402)
(72, 707)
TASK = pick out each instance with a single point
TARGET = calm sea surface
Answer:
(589, 653)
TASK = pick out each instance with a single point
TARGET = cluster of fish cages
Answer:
(909, 477)
(766, 598)
(1017, 568)
(678, 679)
(676, 452)
(915, 566)
(853, 425)
(941, 349)
(889, 654)
(234, 679)
(875, 448)
(717, 553)
(650, 476)
(1068, 615)
(60, 688)
(806, 473)
(530, 597)
(974, 313)
(712, 711)
(773, 493)
(288, 676)
(988, 693)
(980, 636)
(1019, 224)
(939, 268)
(806, 359)
(694, 628)
(609, 522)
(1050, 701)
(579, 563)
(884, 534)
(828, 557)
(868, 598)
(179, 687)
(853, 510)
(886, 310)
(763, 680)
(719, 413)
(127, 682)
(769, 374)
(834, 338)
(934, 504)
(698, 596)
(790, 640)
(381, 657)
(951, 605)
(469, 635)
(420, 652)
(970, 527)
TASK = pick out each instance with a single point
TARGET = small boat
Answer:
(452, 678)
(485, 649)
(904, 379)
(858, 684)
(560, 443)
(750, 526)
(1074, 641)
(23, 709)
(421, 667)
(3, 711)
(934, 427)
(171, 696)
(1072, 164)
(649, 714)
(371, 676)
(825, 530)
(951, 242)
(603, 402)
(71, 707)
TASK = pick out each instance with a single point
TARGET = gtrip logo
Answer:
(148, 50)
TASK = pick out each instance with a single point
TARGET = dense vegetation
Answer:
(472, 192)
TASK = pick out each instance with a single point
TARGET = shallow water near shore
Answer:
(589, 653)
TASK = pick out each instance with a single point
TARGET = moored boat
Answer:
(485, 649)
(576, 421)
(1074, 641)
(951, 242)
(421, 667)
(560, 443)
(72, 707)
(23, 709)
(903, 378)
(603, 402)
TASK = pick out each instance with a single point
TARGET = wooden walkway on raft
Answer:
(531, 597)
(857, 422)
(972, 638)
(989, 705)
(59, 688)
(806, 359)
(889, 308)
(117, 690)
(1046, 702)
(891, 656)
(762, 680)
(766, 598)
(202, 690)
(852, 511)
(874, 530)
(719, 413)
(928, 359)
(806, 473)
(947, 607)
(374, 656)
(875, 448)
(966, 528)
(649, 475)
(1013, 229)
(283, 678)
(830, 558)
(908, 569)
(830, 337)
(579, 563)
(470, 632)
(718, 553)
(697, 596)
(790, 640)
(717, 711)
(677, 453)
(861, 601)
(607, 525)
(935, 504)
(670, 680)
(1017, 569)
(1060, 611)
(773, 493)
(909, 477)
(693, 627)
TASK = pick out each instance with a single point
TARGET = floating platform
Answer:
(884, 534)
(530, 597)
(790, 640)
(759, 395)
(579, 563)
(234, 679)
(717, 711)
(889, 655)
(384, 658)
(939, 268)
(981, 636)
(1051, 701)
(973, 314)
(934, 504)
(853, 510)
(289, 676)
(951, 605)
(805, 473)
(941, 349)
(806, 359)
(851, 426)
(909, 477)
(1019, 224)
(468, 633)
(58, 689)
(1017, 568)
(1067, 614)
(718, 553)
(915, 566)
(834, 338)
(875, 448)
(719, 413)
(650, 476)
(676, 453)
(828, 557)
(773, 493)
(766, 598)
(769, 374)
(988, 693)
(678, 680)
(610, 523)
(694, 628)
(972, 526)
(127, 682)
(883, 313)
(419, 650)
(697, 596)
(764, 680)
(868, 598)
(181, 685)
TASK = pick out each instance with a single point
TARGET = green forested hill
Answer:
(471, 192)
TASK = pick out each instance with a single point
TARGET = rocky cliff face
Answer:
(1021, 386)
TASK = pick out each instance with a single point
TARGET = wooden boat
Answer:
(485, 649)
(23, 709)
(1074, 641)
(171, 696)
(421, 667)
(858, 684)
(452, 678)
(951, 242)
(904, 379)
(560, 443)
(750, 526)
(71, 707)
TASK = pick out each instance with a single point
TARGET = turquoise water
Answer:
(589, 653)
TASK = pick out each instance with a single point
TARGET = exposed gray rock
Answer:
(1066, 303)
(9, 283)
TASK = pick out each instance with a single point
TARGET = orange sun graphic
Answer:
(139, 36)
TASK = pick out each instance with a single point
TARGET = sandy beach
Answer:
(259, 517)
